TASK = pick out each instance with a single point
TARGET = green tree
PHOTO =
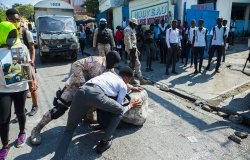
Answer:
(92, 7)
(2, 14)
(26, 10)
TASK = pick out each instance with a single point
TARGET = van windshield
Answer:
(56, 25)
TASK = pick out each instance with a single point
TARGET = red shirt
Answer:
(119, 36)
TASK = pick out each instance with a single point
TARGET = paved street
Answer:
(175, 128)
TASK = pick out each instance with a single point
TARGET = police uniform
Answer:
(103, 41)
(130, 43)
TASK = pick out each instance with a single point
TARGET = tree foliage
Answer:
(92, 7)
(2, 14)
(25, 10)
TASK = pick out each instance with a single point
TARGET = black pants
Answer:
(6, 99)
(163, 49)
(232, 38)
(172, 56)
(188, 48)
(198, 54)
(218, 49)
(82, 45)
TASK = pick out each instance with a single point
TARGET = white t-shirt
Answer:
(218, 36)
(199, 37)
(112, 85)
(5, 53)
(191, 34)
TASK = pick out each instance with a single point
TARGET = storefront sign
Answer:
(148, 15)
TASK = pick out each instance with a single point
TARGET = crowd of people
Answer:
(170, 43)
(94, 81)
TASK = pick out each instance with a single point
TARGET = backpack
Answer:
(214, 31)
(103, 36)
(24, 37)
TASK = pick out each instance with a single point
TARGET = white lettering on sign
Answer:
(149, 12)
(148, 15)
(55, 4)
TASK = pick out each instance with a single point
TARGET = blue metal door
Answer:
(209, 17)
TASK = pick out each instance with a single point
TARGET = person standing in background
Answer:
(157, 33)
(224, 24)
(173, 41)
(199, 43)
(163, 29)
(189, 43)
(233, 30)
(119, 36)
(82, 38)
(25, 37)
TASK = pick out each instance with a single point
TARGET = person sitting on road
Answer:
(83, 70)
(99, 92)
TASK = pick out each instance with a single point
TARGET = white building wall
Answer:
(225, 8)
(117, 16)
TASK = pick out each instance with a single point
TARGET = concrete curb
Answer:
(192, 98)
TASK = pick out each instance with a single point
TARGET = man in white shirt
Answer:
(218, 38)
(224, 24)
(174, 46)
(233, 29)
(98, 92)
(199, 43)
(190, 33)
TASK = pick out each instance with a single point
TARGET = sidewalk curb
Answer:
(192, 98)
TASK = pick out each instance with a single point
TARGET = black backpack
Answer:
(103, 36)
(214, 32)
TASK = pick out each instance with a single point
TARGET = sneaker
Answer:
(33, 111)
(195, 72)
(208, 67)
(217, 71)
(3, 153)
(21, 139)
(28, 95)
(151, 69)
(147, 69)
(103, 146)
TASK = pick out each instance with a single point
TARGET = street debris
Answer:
(222, 114)
(192, 139)
(234, 139)
(242, 135)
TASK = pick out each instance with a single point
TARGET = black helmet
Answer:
(112, 58)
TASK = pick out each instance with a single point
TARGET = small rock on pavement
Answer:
(235, 139)
(198, 102)
(222, 114)
(242, 135)
(236, 118)
(138, 115)
(206, 108)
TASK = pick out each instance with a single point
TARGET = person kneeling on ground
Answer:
(98, 92)
(83, 70)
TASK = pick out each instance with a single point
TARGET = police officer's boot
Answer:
(35, 137)
(132, 81)
(144, 81)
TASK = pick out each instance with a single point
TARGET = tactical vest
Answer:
(103, 36)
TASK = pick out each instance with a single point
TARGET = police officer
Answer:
(103, 37)
(131, 48)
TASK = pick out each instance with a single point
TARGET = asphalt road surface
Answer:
(175, 129)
